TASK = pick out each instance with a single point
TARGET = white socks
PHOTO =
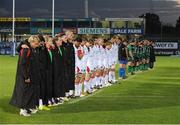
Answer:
(67, 94)
(110, 75)
(85, 86)
(106, 79)
(80, 88)
(98, 80)
(113, 77)
(40, 102)
(71, 92)
(76, 90)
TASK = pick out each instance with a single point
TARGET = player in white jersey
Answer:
(92, 64)
(84, 66)
(109, 63)
(105, 63)
(112, 78)
(89, 67)
(98, 63)
(78, 70)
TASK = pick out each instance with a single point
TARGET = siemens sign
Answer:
(123, 31)
(93, 30)
(126, 31)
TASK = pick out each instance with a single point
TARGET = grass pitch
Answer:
(152, 97)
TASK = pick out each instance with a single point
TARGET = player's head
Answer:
(145, 42)
(34, 41)
(64, 38)
(42, 40)
(125, 42)
(77, 41)
(88, 43)
(91, 41)
(57, 41)
(48, 42)
(84, 40)
(100, 41)
(70, 35)
(108, 45)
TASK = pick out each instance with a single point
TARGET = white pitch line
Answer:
(85, 97)
(132, 96)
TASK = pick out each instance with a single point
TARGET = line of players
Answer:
(138, 55)
(95, 64)
(66, 67)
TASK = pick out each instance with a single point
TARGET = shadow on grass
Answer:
(6, 107)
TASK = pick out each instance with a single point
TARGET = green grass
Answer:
(152, 97)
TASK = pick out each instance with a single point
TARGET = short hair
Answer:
(33, 38)
(56, 38)
(48, 38)
(78, 39)
(41, 38)
(60, 34)
(68, 31)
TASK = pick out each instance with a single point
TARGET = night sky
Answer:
(169, 10)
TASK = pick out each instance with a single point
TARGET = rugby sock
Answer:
(120, 72)
(91, 83)
(106, 79)
(144, 67)
(134, 69)
(49, 102)
(40, 102)
(67, 94)
(123, 72)
(147, 66)
(129, 69)
(80, 88)
(76, 90)
(95, 81)
(109, 76)
(114, 76)
(71, 92)
(141, 67)
(85, 86)
(101, 80)
(88, 86)
(53, 100)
